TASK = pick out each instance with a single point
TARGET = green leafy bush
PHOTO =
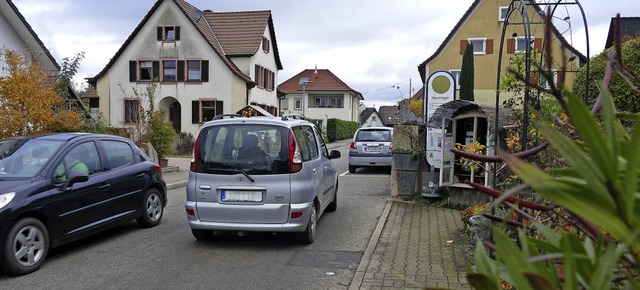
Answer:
(339, 129)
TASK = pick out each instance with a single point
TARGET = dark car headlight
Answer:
(6, 198)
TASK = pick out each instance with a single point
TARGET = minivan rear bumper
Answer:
(293, 225)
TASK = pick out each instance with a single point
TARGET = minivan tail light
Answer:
(194, 155)
(353, 145)
(295, 158)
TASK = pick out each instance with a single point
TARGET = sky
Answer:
(374, 46)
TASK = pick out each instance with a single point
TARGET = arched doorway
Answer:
(173, 109)
(175, 115)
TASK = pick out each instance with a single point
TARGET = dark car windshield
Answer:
(25, 157)
(249, 149)
(374, 135)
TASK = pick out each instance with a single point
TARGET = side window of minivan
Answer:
(307, 142)
(323, 146)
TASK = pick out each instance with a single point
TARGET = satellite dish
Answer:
(198, 14)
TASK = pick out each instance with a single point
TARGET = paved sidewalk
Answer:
(417, 246)
(414, 245)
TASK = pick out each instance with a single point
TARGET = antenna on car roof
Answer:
(293, 117)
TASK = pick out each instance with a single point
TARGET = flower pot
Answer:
(406, 172)
(163, 162)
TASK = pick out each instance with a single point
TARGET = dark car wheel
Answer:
(202, 235)
(152, 209)
(26, 247)
(352, 169)
(333, 206)
(309, 235)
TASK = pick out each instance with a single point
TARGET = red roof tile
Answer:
(318, 80)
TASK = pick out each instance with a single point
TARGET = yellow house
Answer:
(482, 25)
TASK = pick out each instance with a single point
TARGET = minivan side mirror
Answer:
(334, 154)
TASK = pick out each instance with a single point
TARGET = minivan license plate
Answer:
(241, 196)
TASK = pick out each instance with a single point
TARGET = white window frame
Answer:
(502, 13)
(476, 50)
(320, 102)
(555, 79)
(456, 73)
(334, 100)
(297, 104)
(516, 41)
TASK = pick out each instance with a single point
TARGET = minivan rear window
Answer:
(233, 148)
(374, 135)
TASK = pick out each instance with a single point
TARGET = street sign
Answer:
(440, 89)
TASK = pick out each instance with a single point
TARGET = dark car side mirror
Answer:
(334, 154)
(75, 176)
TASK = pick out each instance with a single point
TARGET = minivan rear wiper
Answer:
(232, 170)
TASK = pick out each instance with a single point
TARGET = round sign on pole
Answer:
(440, 89)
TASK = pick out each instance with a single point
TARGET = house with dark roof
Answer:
(318, 94)
(390, 115)
(629, 28)
(482, 25)
(204, 63)
(18, 36)
(369, 117)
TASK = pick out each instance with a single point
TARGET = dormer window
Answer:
(168, 33)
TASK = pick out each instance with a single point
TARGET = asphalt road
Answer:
(168, 257)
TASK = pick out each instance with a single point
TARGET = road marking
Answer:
(345, 173)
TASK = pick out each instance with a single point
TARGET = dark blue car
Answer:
(58, 188)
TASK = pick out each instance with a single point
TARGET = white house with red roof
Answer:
(205, 63)
(319, 95)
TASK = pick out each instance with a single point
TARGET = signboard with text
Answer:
(440, 89)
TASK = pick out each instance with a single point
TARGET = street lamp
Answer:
(303, 82)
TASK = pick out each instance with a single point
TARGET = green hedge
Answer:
(339, 129)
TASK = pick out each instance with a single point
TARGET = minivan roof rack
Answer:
(221, 116)
(293, 117)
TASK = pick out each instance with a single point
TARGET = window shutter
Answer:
(195, 112)
(463, 45)
(133, 71)
(177, 32)
(219, 108)
(537, 44)
(204, 74)
(511, 46)
(257, 74)
(489, 44)
(156, 71)
(160, 36)
(181, 70)
(561, 76)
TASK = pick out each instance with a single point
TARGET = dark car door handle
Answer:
(140, 175)
(104, 186)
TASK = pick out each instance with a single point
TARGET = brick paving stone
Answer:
(414, 250)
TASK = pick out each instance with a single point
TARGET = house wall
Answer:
(483, 23)
(373, 121)
(222, 85)
(20, 40)
(266, 60)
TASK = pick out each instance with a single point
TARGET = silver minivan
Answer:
(260, 174)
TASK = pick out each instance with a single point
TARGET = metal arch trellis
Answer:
(520, 8)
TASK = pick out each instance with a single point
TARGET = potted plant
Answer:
(469, 167)
(161, 136)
